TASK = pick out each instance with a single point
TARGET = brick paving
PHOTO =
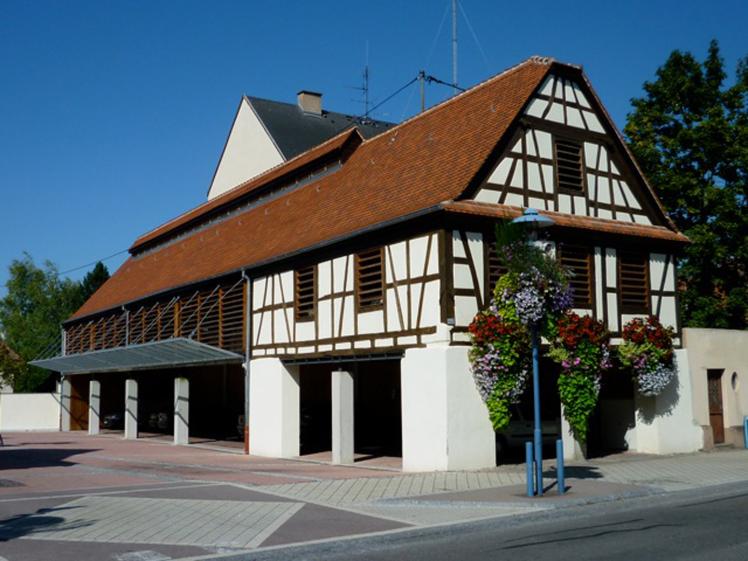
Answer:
(233, 524)
(71, 496)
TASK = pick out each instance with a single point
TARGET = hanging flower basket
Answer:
(647, 350)
(499, 364)
(532, 295)
(581, 347)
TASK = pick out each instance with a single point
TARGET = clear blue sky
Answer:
(113, 114)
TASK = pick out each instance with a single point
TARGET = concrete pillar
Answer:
(274, 419)
(66, 393)
(445, 423)
(131, 409)
(342, 417)
(94, 406)
(181, 411)
(573, 449)
(665, 424)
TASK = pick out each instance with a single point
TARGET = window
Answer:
(369, 280)
(633, 283)
(569, 174)
(495, 268)
(305, 285)
(577, 261)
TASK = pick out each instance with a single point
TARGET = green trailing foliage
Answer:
(581, 347)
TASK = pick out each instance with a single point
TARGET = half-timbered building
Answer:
(328, 298)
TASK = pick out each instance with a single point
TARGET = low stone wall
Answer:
(29, 412)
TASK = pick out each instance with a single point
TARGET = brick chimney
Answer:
(310, 102)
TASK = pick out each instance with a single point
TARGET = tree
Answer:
(93, 280)
(689, 133)
(36, 303)
(11, 365)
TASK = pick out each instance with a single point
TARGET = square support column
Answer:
(573, 449)
(274, 419)
(94, 406)
(342, 417)
(445, 422)
(66, 393)
(666, 424)
(181, 411)
(131, 409)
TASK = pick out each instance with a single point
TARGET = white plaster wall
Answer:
(406, 307)
(445, 425)
(29, 412)
(725, 349)
(665, 424)
(249, 151)
(273, 409)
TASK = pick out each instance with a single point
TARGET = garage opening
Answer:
(216, 405)
(377, 410)
(112, 413)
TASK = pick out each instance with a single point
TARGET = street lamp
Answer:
(533, 222)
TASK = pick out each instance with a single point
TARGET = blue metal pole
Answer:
(529, 471)
(560, 476)
(537, 433)
(745, 431)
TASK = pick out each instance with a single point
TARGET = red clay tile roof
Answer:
(417, 166)
(476, 208)
(325, 150)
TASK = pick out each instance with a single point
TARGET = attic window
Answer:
(577, 261)
(304, 293)
(369, 280)
(633, 282)
(569, 174)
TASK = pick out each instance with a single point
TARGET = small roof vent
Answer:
(310, 102)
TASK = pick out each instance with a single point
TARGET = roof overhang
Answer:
(171, 353)
(605, 225)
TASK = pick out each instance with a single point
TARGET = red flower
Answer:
(639, 330)
(573, 328)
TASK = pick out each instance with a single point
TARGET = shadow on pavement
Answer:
(42, 520)
(25, 458)
(576, 472)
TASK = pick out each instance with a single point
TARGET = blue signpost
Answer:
(537, 433)
(532, 222)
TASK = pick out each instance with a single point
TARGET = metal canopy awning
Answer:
(158, 354)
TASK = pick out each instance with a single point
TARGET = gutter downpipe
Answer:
(247, 355)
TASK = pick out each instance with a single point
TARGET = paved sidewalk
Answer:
(69, 496)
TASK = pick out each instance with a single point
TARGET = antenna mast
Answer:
(366, 91)
(454, 43)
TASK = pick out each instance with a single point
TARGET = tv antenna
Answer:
(454, 44)
(364, 88)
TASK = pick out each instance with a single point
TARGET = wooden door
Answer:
(79, 402)
(716, 414)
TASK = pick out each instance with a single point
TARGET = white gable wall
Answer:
(249, 151)
(526, 175)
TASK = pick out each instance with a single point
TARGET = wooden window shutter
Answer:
(577, 261)
(633, 282)
(569, 172)
(305, 290)
(370, 280)
(496, 268)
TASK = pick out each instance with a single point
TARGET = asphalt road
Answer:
(709, 524)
